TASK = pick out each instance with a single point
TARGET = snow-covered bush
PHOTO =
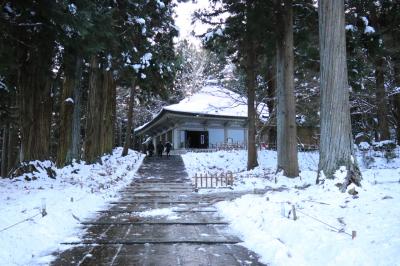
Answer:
(385, 145)
(364, 146)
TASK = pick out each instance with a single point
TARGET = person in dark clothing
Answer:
(160, 149)
(168, 147)
(150, 148)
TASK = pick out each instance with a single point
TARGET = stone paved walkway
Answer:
(195, 235)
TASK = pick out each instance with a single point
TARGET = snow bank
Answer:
(310, 240)
(326, 217)
(76, 193)
(236, 162)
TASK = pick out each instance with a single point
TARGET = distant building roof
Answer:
(210, 101)
(213, 100)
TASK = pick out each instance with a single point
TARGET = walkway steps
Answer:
(192, 234)
(135, 211)
(152, 241)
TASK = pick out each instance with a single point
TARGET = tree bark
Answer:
(270, 126)
(250, 83)
(381, 102)
(4, 151)
(76, 116)
(94, 113)
(396, 96)
(128, 135)
(69, 142)
(108, 112)
(13, 148)
(286, 106)
(336, 146)
(99, 138)
(251, 112)
(35, 106)
(271, 87)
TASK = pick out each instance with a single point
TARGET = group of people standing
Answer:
(160, 148)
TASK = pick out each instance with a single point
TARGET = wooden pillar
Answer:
(225, 133)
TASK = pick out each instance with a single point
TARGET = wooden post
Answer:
(294, 213)
(206, 180)
(216, 180)
(195, 182)
(211, 179)
(201, 180)
(353, 234)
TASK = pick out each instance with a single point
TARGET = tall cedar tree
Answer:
(286, 107)
(77, 38)
(151, 59)
(249, 66)
(29, 35)
(336, 144)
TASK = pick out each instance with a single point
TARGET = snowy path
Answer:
(158, 221)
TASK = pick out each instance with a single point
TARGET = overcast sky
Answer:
(183, 20)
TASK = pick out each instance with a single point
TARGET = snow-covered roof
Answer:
(212, 100)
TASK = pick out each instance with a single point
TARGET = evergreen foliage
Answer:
(47, 52)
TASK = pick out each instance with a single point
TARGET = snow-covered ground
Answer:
(78, 191)
(326, 217)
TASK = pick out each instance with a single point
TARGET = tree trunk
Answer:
(100, 118)
(381, 102)
(286, 106)
(13, 148)
(251, 111)
(269, 127)
(76, 116)
(271, 87)
(108, 112)
(94, 113)
(69, 142)
(35, 106)
(396, 96)
(4, 151)
(128, 134)
(336, 147)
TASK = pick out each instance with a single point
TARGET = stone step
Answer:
(152, 241)
(154, 231)
(156, 223)
(158, 202)
(160, 184)
(158, 254)
(136, 211)
(160, 190)
(153, 205)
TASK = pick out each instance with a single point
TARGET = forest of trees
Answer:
(61, 63)
(348, 64)
(76, 76)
